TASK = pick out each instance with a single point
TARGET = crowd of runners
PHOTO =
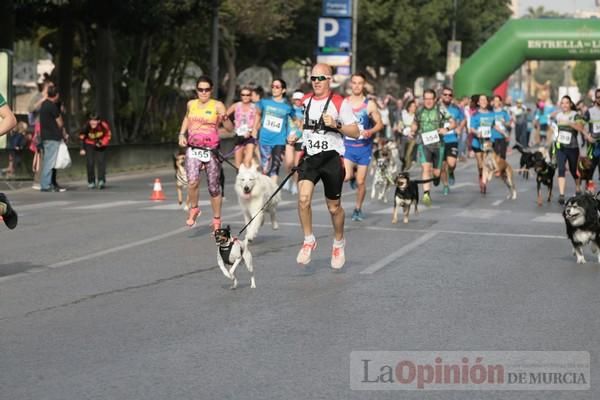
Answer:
(325, 136)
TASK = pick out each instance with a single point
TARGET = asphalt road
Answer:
(107, 295)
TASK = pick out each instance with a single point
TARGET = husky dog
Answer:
(253, 190)
(231, 253)
(583, 226)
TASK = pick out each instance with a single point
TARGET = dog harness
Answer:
(225, 251)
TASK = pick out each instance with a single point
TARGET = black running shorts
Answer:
(327, 166)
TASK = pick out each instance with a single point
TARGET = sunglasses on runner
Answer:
(203, 90)
(245, 94)
(319, 78)
(447, 94)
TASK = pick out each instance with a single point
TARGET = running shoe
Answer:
(426, 199)
(36, 186)
(193, 214)
(353, 183)
(446, 190)
(590, 187)
(359, 215)
(355, 215)
(9, 216)
(101, 184)
(338, 257)
(451, 178)
(305, 252)
(561, 199)
(91, 186)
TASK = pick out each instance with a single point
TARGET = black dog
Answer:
(545, 176)
(582, 223)
(407, 194)
(527, 160)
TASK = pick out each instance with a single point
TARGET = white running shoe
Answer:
(305, 252)
(338, 257)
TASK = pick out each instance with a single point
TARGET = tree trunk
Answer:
(105, 94)
(8, 24)
(230, 56)
(65, 61)
(145, 61)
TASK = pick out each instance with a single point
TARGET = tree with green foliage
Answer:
(584, 74)
(409, 37)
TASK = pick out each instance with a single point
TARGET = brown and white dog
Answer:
(493, 164)
(181, 182)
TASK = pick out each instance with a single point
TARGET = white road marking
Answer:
(398, 253)
(555, 218)
(389, 210)
(390, 229)
(108, 251)
(497, 203)
(463, 184)
(174, 206)
(47, 204)
(478, 213)
(119, 248)
(111, 204)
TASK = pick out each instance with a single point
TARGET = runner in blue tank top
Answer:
(451, 139)
(359, 151)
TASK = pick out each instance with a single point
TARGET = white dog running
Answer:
(253, 190)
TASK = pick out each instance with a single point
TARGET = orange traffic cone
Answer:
(157, 192)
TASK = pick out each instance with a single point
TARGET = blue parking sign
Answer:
(335, 33)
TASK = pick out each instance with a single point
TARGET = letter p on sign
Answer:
(328, 27)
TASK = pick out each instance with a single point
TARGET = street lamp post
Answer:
(354, 29)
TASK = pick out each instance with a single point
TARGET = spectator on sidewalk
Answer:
(34, 107)
(52, 133)
(16, 144)
(95, 137)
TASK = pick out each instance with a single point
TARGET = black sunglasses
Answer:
(447, 94)
(203, 90)
(245, 94)
(319, 78)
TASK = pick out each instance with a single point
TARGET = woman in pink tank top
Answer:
(243, 113)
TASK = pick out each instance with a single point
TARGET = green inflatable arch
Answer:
(526, 39)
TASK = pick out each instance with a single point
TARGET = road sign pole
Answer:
(354, 29)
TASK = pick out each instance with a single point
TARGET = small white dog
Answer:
(231, 253)
(253, 190)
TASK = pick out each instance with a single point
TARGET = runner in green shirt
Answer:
(431, 122)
